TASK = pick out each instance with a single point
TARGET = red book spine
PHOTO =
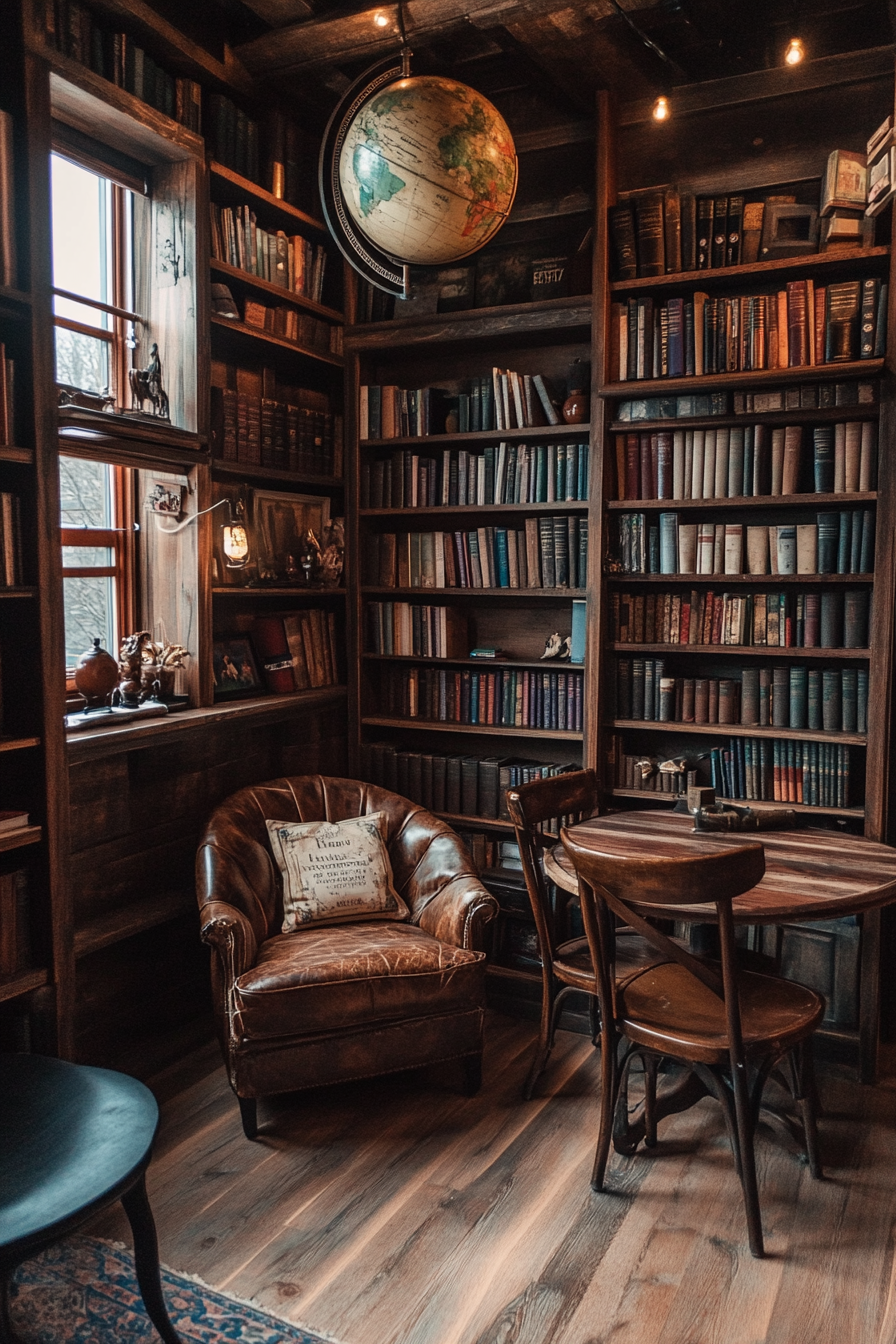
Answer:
(269, 638)
(632, 466)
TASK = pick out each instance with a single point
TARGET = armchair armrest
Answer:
(229, 932)
(459, 913)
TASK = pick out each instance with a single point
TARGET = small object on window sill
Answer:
(85, 401)
(117, 714)
(146, 385)
(96, 675)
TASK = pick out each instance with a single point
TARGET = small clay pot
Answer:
(96, 675)
(575, 407)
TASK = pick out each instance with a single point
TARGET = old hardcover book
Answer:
(650, 227)
(842, 321)
(622, 231)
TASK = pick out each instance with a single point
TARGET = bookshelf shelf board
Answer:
(547, 317)
(75, 92)
(243, 471)
(17, 592)
(743, 502)
(9, 294)
(562, 506)
(728, 579)
(130, 920)
(455, 594)
(806, 415)
(745, 651)
(315, 593)
(476, 729)
(238, 276)
(23, 982)
(242, 330)
(481, 664)
(18, 743)
(25, 456)
(477, 824)
(638, 388)
(758, 805)
(828, 263)
(742, 730)
(25, 835)
(481, 436)
(245, 187)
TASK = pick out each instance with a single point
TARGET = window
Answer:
(93, 279)
(97, 554)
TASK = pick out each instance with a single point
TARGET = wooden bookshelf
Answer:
(235, 276)
(534, 432)
(243, 331)
(232, 188)
(632, 156)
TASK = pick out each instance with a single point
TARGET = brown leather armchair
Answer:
(331, 1003)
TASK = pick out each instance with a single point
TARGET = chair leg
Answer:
(747, 1159)
(806, 1098)
(651, 1065)
(146, 1260)
(608, 1082)
(594, 1017)
(472, 1074)
(249, 1116)
(545, 1039)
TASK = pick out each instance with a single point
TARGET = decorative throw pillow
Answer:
(335, 872)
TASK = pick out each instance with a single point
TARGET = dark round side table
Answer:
(73, 1140)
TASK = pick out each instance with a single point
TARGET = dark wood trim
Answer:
(747, 651)
(240, 277)
(710, 382)
(742, 502)
(779, 269)
(739, 730)
(290, 213)
(480, 436)
(549, 316)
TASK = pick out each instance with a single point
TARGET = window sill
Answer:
(114, 739)
(102, 432)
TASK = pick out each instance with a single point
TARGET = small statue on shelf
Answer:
(557, 647)
(146, 385)
(332, 557)
(148, 668)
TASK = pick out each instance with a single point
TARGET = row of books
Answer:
(10, 541)
(293, 263)
(508, 473)
(799, 397)
(263, 431)
(8, 267)
(297, 651)
(503, 400)
(832, 619)
(800, 326)
(113, 55)
(549, 552)
(275, 153)
(15, 938)
(836, 543)
(470, 786)
(508, 697)
(830, 700)
(406, 629)
(7, 392)
(763, 769)
(752, 460)
(288, 323)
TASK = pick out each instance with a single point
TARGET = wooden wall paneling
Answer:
(176, 278)
(170, 597)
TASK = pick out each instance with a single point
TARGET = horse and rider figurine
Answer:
(146, 385)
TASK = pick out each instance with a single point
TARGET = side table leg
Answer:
(146, 1259)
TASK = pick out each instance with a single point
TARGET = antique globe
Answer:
(428, 170)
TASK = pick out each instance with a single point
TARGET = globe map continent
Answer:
(428, 170)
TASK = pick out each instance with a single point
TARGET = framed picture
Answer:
(281, 523)
(234, 668)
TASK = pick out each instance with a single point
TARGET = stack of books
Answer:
(269, 432)
(832, 619)
(504, 400)
(291, 262)
(404, 629)
(297, 651)
(509, 473)
(548, 552)
(508, 698)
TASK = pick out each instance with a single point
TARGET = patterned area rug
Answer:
(84, 1291)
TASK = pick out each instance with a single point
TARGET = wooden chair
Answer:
(730, 1027)
(537, 811)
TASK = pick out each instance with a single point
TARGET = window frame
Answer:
(121, 539)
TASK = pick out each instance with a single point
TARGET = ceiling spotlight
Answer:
(661, 110)
(795, 51)
(381, 20)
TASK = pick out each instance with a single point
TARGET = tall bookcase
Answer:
(32, 750)
(757, 136)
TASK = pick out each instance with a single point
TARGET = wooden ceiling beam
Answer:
(278, 13)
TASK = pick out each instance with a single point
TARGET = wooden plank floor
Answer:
(398, 1211)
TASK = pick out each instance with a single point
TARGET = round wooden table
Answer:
(73, 1140)
(810, 873)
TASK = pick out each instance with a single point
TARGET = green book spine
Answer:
(798, 697)
(862, 700)
(831, 714)
(813, 700)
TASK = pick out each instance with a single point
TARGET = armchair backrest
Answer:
(235, 864)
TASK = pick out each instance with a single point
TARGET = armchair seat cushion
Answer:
(321, 979)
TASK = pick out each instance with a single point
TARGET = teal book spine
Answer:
(830, 701)
(813, 700)
(798, 697)
(848, 700)
(862, 700)
(501, 557)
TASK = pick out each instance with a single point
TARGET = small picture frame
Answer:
(281, 524)
(166, 498)
(234, 668)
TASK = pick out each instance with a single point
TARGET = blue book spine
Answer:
(501, 557)
(668, 543)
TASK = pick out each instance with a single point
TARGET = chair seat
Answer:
(665, 1008)
(346, 975)
(573, 967)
